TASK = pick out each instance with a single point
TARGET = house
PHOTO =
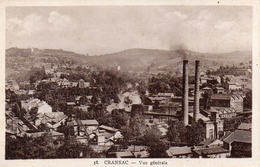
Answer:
(12, 84)
(203, 79)
(52, 120)
(232, 86)
(65, 83)
(83, 84)
(208, 143)
(225, 112)
(206, 89)
(42, 106)
(141, 154)
(203, 74)
(219, 90)
(70, 103)
(179, 152)
(213, 125)
(228, 100)
(242, 139)
(166, 95)
(82, 127)
(83, 108)
(245, 126)
(191, 89)
(54, 135)
(13, 124)
(110, 133)
(81, 100)
(125, 154)
(74, 84)
(162, 127)
(214, 152)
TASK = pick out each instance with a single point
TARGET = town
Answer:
(73, 111)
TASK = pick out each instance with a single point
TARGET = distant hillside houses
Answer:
(12, 85)
(42, 106)
(230, 82)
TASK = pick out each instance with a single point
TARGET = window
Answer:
(210, 133)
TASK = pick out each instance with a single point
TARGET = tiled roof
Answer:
(208, 151)
(165, 94)
(179, 150)
(206, 142)
(78, 98)
(133, 148)
(239, 136)
(124, 154)
(141, 154)
(206, 88)
(55, 116)
(89, 122)
(221, 96)
(200, 116)
(108, 128)
(224, 109)
(245, 126)
(226, 135)
(156, 98)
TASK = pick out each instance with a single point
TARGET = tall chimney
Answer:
(197, 92)
(185, 95)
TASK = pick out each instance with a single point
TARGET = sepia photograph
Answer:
(129, 81)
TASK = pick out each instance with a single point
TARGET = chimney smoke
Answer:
(197, 89)
(185, 95)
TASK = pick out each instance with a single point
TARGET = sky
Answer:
(96, 30)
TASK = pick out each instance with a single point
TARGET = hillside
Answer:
(20, 61)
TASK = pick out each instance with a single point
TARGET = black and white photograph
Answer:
(155, 82)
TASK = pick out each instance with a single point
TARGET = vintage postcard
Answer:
(123, 83)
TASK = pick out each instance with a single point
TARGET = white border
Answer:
(254, 161)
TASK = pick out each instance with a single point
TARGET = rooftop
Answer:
(89, 122)
(206, 88)
(245, 126)
(108, 128)
(200, 116)
(239, 136)
(124, 154)
(225, 96)
(208, 151)
(206, 142)
(172, 151)
(141, 154)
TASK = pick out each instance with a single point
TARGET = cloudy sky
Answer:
(98, 30)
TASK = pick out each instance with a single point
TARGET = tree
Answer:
(127, 132)
(30, 148)
(248, 99)
(157, 147)
(138, 125)
(196, 133)
(73, 149)
(119, 119)
(67, 130)
(16, 109)
(177, 133)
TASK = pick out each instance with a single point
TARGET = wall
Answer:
(220, 103)
(45, 109)
(237, 104)
(209, 128)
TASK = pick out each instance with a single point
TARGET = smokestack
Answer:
(197, 92)
(185, 95)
